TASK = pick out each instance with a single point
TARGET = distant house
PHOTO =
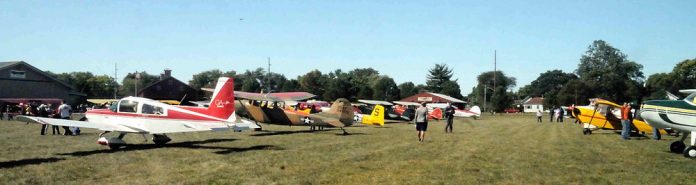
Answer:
(532, 104)
(22, 83)
(168, 88)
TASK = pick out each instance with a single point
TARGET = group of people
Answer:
(47, 111)
(555, 113)
(421, 120)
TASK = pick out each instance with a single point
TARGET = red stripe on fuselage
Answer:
(171, 114)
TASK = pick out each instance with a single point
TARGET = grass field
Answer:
(494, 150)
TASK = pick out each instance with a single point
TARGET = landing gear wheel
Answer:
(586, 131)
(690, 152)
(677, 147)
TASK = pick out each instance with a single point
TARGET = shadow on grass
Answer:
(188, 145)
(275, 133)
(350, 134)
(24, 162)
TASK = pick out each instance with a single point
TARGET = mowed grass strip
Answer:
(503, 149)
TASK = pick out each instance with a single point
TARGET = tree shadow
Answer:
(187, 145)
(24, 162)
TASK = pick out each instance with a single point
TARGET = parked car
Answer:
(511, 110)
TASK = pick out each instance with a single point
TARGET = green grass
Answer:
(494, 150)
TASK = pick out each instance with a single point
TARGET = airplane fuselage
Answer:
(676, 114)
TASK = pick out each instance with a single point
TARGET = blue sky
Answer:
(401, 39)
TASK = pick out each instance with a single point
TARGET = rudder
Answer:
(222, 101)
(376, 117)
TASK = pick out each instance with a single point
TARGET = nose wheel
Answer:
(690, 152)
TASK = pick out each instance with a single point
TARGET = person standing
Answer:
(449, 114)
(538, 114)
(561, 113)
(64, 111)
(625, 121)
(421, 120)
(551, 113)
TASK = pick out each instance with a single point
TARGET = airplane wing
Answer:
(81, 124)
(328, 120)
(255, 96)
(292, 96)
(275, 97)
(406, 103)
(376, 102)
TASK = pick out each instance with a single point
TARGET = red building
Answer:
(433, 98)
(168, 88)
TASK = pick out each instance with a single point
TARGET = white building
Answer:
(532, 104)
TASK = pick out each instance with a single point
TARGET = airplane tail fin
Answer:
(376, 117)
(344, 109)
(436, 114)
(222, 101)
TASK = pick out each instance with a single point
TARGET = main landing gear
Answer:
(586, 131)
(115, 143)
(680, 147)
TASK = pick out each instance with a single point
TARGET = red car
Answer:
(511, 110)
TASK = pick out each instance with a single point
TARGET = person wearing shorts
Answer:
(421, 120)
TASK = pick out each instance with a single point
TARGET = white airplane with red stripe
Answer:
(146, 116)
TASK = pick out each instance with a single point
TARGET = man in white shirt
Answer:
(64, 111)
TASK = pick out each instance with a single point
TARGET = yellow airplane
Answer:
(606, 115)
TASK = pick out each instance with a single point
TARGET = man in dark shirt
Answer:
(449, 114)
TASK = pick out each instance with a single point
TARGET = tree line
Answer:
(360, 83)
(603, 72)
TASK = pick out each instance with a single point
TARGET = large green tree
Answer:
(338, 86)
(682, 76)
(485, 91)
(609, 72)
(129, 82)
(208, 79)
(362, 80)
(99, 86)
(549, 84)
(313, 82)
(385, 89)
(407, 89)
(439, 80)
(437, 76)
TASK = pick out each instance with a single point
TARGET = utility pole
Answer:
(137, 78)
(495, 68)
(268, 76)
(115, 80)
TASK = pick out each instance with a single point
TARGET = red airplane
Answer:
(146, 116)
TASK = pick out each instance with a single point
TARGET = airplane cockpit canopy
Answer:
(140, 107)
(691, 99)
(128, 106)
